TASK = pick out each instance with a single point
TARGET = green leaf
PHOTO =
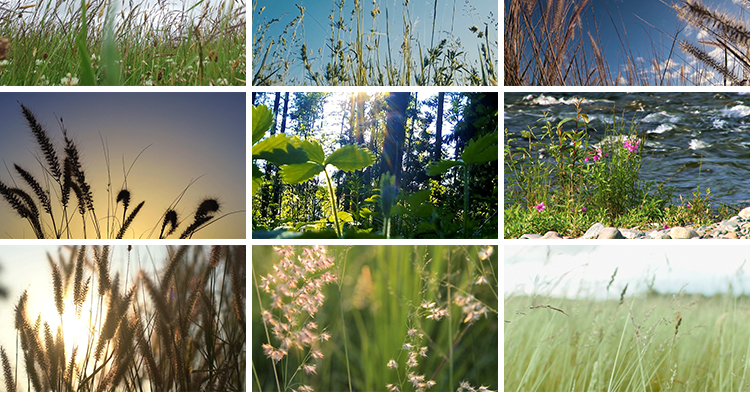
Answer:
(350, 157)
(481, 150)
(343, 217)
(257, 178)
(559, 124)
(280, 150)
(441, 167)
(262, 121)
(314, 151)
(416, 199)
(87, 72)
(300, 172)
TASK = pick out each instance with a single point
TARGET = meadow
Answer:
(374, 318)
(376, 43)
(142, 43)
(630, 342)
(171, 324)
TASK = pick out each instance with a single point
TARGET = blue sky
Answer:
(188, 135)
(316, 29)
(645, 29)
(648, 26)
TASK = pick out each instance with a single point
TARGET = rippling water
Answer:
(686, 134)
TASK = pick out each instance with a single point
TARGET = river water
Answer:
(689, 137)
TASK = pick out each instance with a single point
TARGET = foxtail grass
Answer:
(50, 211)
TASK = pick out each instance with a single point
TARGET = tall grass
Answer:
(556, 42)
(645, 342)
(374, 318)
(180, 328)
(58, 42)
(48, 207)
(358, 53)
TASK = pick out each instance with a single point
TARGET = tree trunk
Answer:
(277, 177)
(393, 146)
(436, 155)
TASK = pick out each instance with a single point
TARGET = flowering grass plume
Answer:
(296, 290)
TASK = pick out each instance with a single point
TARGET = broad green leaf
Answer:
(300, 172)
(343, 217)
(416, 199)
(350, 157)
(314, 151)
(262, 121)
(481, 150)
(257, 178)
(280, 150)
(441, 167)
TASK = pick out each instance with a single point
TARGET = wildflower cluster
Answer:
(416, 351)
(540, 207)
(295, 287)
(596, 155)
(631, 145)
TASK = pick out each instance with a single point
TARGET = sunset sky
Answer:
(190, 136)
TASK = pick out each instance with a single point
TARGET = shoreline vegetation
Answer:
(550, 43)
(53, 42)
(361, 61)
(556, 180)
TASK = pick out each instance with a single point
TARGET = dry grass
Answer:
(177, 330)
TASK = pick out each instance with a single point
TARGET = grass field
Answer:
(646, 342)
(56, 42)
(374, 318)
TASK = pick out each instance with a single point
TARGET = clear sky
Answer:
(585, 270)
(648, 26)
(316, 29)
(189, 136)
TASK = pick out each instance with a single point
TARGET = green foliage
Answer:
(412, 206)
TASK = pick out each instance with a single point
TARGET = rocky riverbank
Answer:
(737, 227)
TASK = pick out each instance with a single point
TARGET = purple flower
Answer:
(631, 145)
(540, 207)
(583, 209)
(689, 206)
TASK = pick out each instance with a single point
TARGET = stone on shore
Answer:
(745, 213)
(610, 233)
(551, 235)
(593, 231)
(632, 233)
(678, 232)
(530, 236)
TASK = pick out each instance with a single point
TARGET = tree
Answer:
(393, 146)
(439, 128)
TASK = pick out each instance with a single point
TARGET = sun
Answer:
(77, 330)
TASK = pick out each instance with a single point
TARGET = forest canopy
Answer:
(380, 165)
